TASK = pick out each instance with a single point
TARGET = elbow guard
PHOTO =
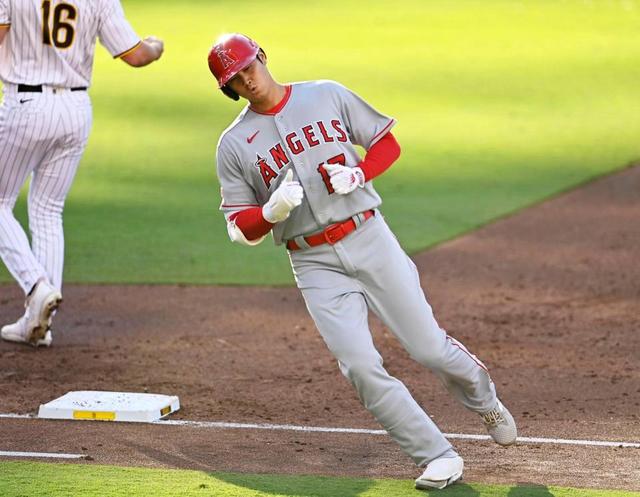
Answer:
(237, 235)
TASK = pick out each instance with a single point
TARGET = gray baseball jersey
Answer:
(366, 270)
(257, 149)
(52, 42)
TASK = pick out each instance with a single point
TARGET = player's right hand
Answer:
(157, 44)
(286, 198)
(345, 179)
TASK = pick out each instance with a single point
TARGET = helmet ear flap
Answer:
(230, 93)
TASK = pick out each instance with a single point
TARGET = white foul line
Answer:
(320, 429)
(48, 455)
(51, 455)
(19, 416)
(363, 431)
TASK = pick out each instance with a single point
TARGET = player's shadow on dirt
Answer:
(299, 486)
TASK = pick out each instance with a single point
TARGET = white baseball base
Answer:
(110, 406)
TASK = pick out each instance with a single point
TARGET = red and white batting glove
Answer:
(287, 197)
(345, 179)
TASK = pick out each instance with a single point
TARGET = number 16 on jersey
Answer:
(57, 26)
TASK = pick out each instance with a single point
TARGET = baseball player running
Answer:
(288, 165)
(46, 59)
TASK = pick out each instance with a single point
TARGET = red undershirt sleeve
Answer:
(377, 160)
(251, 222)
(380, 156)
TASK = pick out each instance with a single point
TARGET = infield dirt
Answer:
(548, 298)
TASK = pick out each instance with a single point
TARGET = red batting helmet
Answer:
(231, 54)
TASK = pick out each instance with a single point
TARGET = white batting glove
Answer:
(287, 197)
(345, 179)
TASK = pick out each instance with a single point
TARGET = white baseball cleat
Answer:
(46, 341)
(500, 425)
(33, 326)
(17, 332)
(441, 473)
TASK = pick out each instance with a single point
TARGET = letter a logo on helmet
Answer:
(230, 54)
(226, 57)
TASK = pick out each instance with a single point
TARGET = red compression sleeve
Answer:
(380, 156)
(251, 222)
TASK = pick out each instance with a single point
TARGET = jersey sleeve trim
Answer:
(128, 51)
(383, 132)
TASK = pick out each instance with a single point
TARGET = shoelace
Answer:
(493, 418)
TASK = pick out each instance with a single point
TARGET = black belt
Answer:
(38, 88)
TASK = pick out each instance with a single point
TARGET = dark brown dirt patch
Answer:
(548, 298)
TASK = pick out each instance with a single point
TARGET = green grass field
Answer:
(18, 479)
(499, 105)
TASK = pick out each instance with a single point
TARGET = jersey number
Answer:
(62, 32)
(338, 159)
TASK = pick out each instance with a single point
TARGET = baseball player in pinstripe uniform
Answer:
(46, 59)
(288, 165)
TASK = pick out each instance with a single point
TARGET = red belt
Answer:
(331, 234)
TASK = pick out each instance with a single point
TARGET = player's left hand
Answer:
(345, 179)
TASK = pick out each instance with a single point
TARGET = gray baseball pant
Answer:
(368, 270)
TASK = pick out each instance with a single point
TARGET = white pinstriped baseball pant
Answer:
(42, 134)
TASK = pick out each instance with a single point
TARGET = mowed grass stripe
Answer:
(19, 479)
(499, 104)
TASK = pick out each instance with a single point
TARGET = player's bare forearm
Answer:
(149, 50)
(3, 32)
